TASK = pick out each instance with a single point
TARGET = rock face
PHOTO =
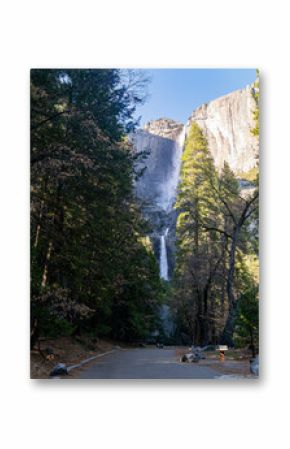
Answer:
(227, 123)
(163, 139)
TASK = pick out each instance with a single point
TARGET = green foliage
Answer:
(247, 318)
(216, 248)
(197, 257)
(51, 325)
(87, 233)
(256, 113)
(251, 175)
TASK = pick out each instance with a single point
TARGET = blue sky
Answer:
(175, 93)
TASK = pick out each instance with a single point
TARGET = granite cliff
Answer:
(226, 123)
(163, 139)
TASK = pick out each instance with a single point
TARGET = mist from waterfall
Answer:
(165, 315)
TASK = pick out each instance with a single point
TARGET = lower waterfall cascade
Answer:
(163, 262)
(165, 315)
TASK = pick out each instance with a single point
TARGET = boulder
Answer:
(190, 358)
(59, 369)
(254, 366)
(197, 352)
(186, 358)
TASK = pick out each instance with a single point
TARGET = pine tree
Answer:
(88, 258)
(215, 238)
(198, 256)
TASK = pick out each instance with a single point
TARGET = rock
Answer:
(164, 127)
(59, 369)
(189, 358)
(254, 366)
(198, 352)
(186, 358)
(195, 348)
(227, 123)
(163, 139)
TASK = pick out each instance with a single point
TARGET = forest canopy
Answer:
(92, 268)
(216, 273)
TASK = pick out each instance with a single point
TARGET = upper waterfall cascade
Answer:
(163, 141)
(170, 183)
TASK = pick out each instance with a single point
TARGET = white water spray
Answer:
(170, 184)
(163, 263)
(165, 315)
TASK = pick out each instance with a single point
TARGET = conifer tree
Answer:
(213, 241)
(89, 263)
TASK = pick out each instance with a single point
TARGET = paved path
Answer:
(145, 363)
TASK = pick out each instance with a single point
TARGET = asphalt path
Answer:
(145, 363)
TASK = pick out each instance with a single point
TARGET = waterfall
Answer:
(170, 189)
(171, 182)
(167, 323)
(163, 263)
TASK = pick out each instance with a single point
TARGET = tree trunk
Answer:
(204, 335)
(253, 349)
(246, 213)
(227, 336)
(38, 225)
(45, 271)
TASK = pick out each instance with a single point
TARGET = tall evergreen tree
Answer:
(88, 256)
(213, 239)
(198, 257)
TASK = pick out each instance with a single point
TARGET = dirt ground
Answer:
(65, 350)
